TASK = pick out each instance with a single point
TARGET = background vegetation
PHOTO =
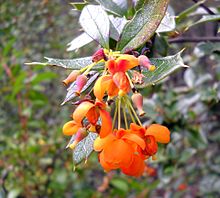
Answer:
(34, 162)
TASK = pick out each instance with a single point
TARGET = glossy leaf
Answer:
(84, 148)
(79, 5)
(167, 24)
(188, 11)
(164, 67)
(207, 18)
(80, 41)
(117, 24)
(77, 63)
(116, 7)
(143, 25)
(139, 4)
(95, 22)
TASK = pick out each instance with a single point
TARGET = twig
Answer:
(204, 7)
(193, 40)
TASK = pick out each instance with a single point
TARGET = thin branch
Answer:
(193, 40)
(202, 5)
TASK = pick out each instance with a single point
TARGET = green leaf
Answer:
(42, 77)
(116, 24)
(84, 148)
(120, 184)
(95, 22)
(79, 5)
(207, 18)
(143, 25)
(77, 63)
(188, 11)
(164, 67)
(139, 4)
(207, 48)
(80, 41)
(167, 24)
(114, 7)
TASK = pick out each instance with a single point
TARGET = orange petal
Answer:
(133, 61)
(151, 146)
(81, 111)
(135, 138)
(100, 143)
(161, 133)
(136, 168)
(106, 166)
(111, 65)
(93, 115)
(122, 65)
(139, 130)
(101, 86)
(106, 126)
(118, 153)
(121, 81)
(112, 89)
(70, 128)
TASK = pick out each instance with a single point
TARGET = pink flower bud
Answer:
(81, 80)
(137, 99)
(72, 77)
(98, 55)
(145, 62)
(80, 135)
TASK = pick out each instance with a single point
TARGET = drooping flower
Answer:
(116, 82)
(118, 151)
(94, 111)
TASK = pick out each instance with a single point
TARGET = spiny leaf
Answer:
(143, 25)
(95, 22)
(164, 67)
(80, 41)
(79, 5)
(207, 18)
(84, 148)
(118, 8)
(188, 11)
(167, 24)
(117, 24)
(77, 63)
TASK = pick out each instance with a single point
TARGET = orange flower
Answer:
(116, 82)
(153, 134)
(92, 112)
(118, 151)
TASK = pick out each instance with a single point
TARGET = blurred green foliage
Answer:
(34, 162)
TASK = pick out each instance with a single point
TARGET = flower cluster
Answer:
(122, 142)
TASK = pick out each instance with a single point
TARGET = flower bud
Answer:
(80, 135)
(98, 55)
(81, 80)
(137, 99)
(72, 77)
(145, 62)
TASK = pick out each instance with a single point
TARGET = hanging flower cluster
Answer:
(122, 142)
